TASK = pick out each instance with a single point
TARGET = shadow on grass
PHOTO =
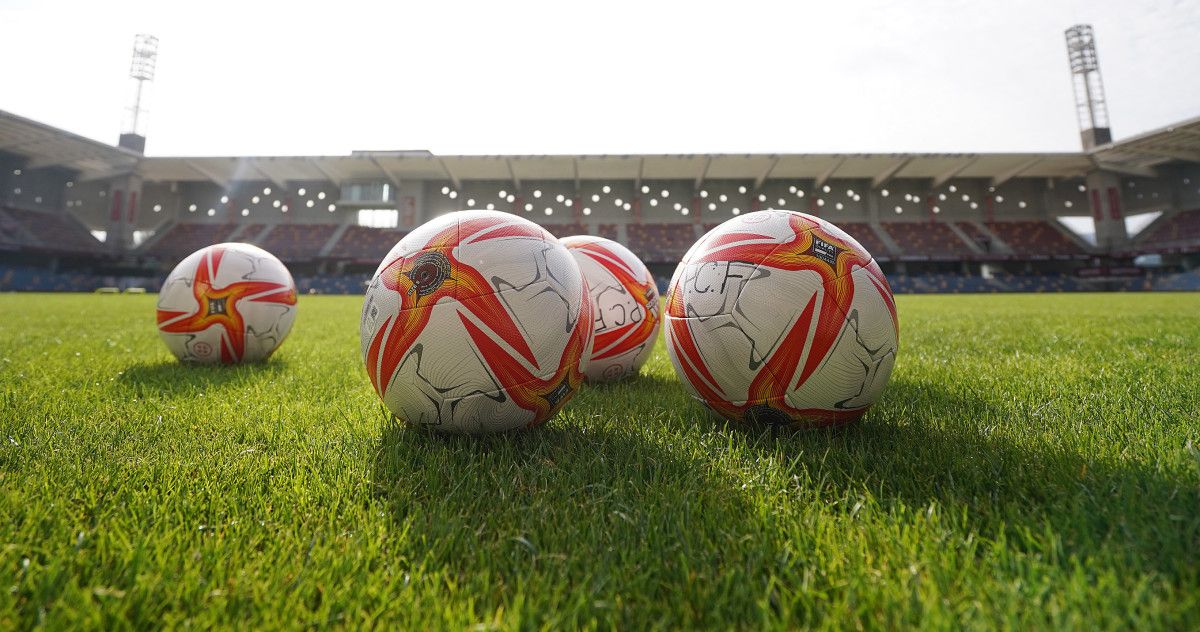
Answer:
(589, 504)
(1024, 490)
(174, 378)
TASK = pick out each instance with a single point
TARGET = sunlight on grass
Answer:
(1032, 465)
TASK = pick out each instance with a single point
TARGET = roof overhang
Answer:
(44, 146)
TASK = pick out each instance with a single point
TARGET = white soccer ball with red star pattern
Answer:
(476, 322)
(781, 317)
(625, 306)
(226, 303)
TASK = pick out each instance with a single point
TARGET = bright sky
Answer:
(287, 77)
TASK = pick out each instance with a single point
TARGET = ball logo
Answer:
(202, 349)
(824, 251)
(429, 271)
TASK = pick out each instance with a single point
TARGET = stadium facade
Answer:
(77, 213)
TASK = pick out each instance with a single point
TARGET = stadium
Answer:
(938, 223)
(1030, 464)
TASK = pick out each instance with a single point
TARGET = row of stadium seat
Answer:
(53, 232)
(36, 279)
(927, 239)
(1181, 229)
(656, 243)
(305, 242)
(1034, 238)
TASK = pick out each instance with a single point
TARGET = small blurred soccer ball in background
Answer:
(226, 303)
(476, 322)
(780, 317)
(624, 306)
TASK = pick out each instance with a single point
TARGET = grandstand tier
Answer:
(49, 231)
(660, 243)
(1034, 238)
(363, 244)
(933, 240)
(298, 242)
(1178, 230)
(184, 238)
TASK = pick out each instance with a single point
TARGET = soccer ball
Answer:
(624, 306)
(782, 318)
(475, 322)
(226, 303)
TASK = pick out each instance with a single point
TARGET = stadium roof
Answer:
(699, 167)
(46, 146)
(1143, 152)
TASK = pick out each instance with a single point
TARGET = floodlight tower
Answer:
(1089, 87)
(1104, 187)
(125, 189)
(141, 70)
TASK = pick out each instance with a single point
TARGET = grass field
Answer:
(1032, 465)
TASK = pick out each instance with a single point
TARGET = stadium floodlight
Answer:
(141, 70)
(1090, 107)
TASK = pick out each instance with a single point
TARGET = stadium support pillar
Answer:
(125, 198)
(1104, 197)
(873, 203)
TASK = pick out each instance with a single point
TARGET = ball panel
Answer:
(858, 366)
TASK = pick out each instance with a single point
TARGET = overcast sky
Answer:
(264, 78)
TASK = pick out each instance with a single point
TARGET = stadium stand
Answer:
(11, 234)
(608, 231)
(1180, 282)
(976, 234)
(184, 238)
(566, 230)
(1180, 229)
(1034, 238)
(35, 279)
(865, 235)
(250, 234)
(660, 243)
(365, 244)
(55, 232)
(333, 284)
(298, 242)
(927, 239)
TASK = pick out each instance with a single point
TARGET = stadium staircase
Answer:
(333, 240)
(977, 232)
(890, 246)
(973, 245)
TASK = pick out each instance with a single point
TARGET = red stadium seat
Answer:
(1181, 229)
(1034, 238)
(298, 242)
(365, 244)
(56, 232)
(928, 239)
